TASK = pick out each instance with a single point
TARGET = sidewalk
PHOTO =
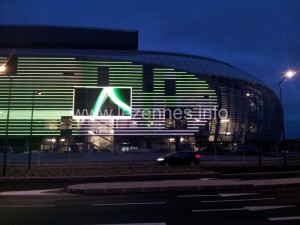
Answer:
(122, 157)
(137, 171)
(180, 185)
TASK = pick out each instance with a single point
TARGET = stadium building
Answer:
(78, 89)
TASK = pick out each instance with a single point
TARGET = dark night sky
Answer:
(261, 37)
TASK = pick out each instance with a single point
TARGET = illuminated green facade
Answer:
(56, 78)
(175, 99)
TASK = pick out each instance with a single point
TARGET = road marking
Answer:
(193, 196)
(31, 192)
(260, 208)
(284, 218)
(161, 223)
(239, 200)
(218, 210)
(249, 208)
(130, 203)
(209, 178)
(26, 206)
(224, 195)
(236, 194)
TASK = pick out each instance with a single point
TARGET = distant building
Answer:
(78, 89)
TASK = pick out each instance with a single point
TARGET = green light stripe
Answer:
(46, 74)
(100, 101)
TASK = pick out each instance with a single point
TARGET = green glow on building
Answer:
(112, 93)
(50, 76)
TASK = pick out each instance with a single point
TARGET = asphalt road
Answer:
(265, 206)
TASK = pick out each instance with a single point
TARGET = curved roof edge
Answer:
(187, 62)
(201, 66)
(185, 55)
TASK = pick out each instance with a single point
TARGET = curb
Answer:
(147, 177)
(175, 185)
(124, 190)
(73, 189)
(144, 177)
(262, 175)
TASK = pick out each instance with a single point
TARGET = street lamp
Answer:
(3, 69)
(288, 74)
(34, 93)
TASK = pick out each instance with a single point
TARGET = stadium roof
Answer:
(25, 36)
(105, 44)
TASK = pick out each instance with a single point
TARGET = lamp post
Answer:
(2, 70)
(287, 75)
(31, 127)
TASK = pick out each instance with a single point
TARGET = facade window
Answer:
(147, 78)
(52, 125)
(66, 126)
(66, 123)
(68, 74)
(170, 87)
(103, 76)
(170, 123)
(182, 124)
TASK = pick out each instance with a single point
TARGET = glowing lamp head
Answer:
(290, 73)
(2, 68)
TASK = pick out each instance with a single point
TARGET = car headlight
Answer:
(160, 159)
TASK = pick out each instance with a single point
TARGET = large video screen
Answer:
(102, 103)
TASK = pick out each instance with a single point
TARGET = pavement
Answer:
(108, 157)
(205, 184)
(152, 181)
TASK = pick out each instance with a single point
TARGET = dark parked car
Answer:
(180, 158)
